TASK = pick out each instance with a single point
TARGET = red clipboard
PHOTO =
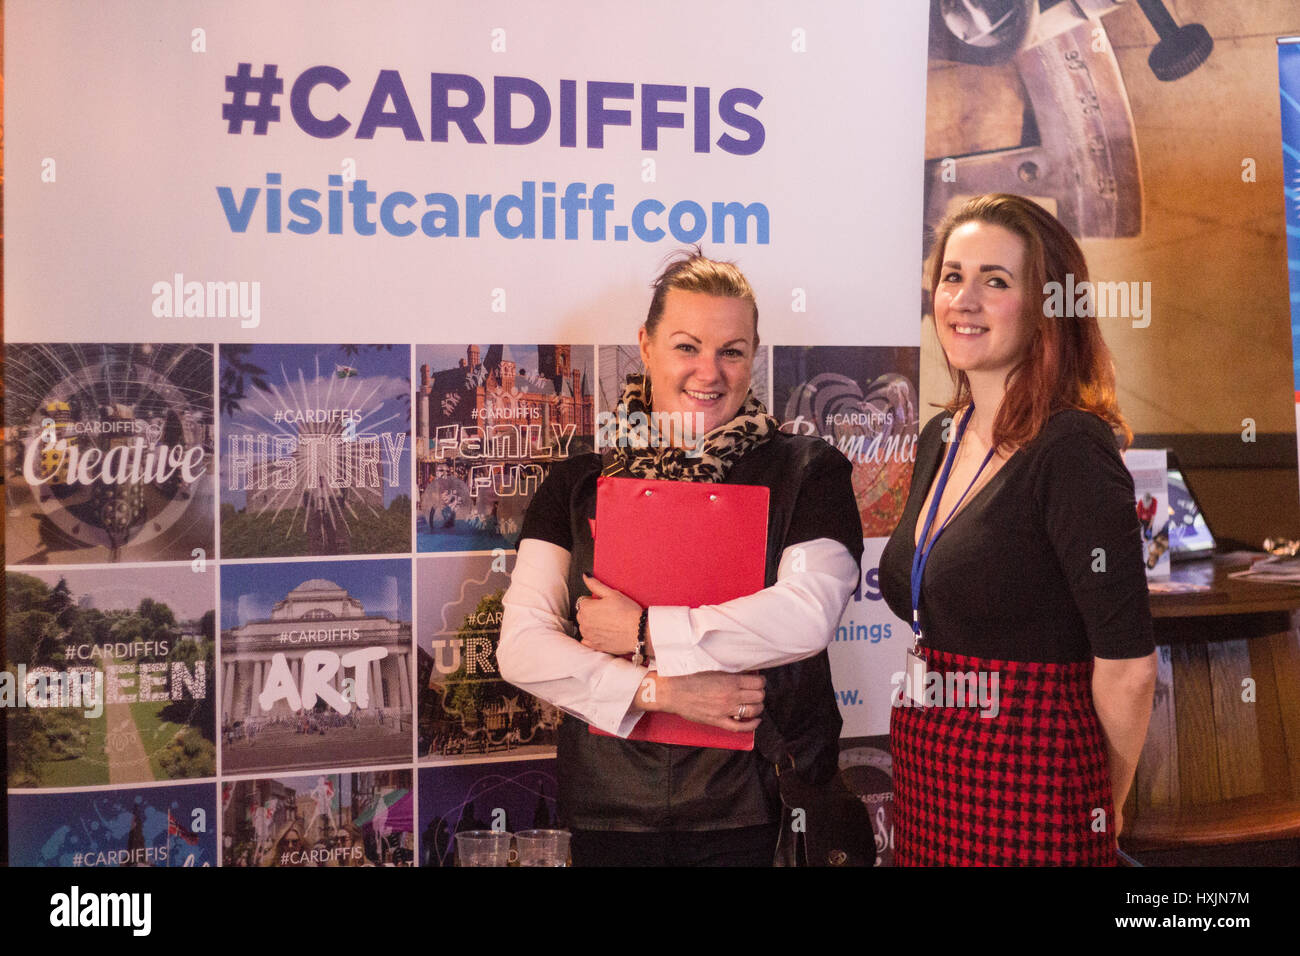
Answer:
(681, 544)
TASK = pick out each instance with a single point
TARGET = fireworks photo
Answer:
(315, 450)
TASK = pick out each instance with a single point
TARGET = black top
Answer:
(1044, 563)
(821, 510)
(611, 784)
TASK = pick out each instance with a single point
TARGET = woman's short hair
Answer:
(689, 270)
(1068, 364)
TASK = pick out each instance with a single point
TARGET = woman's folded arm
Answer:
(537, 654)
(789, 621)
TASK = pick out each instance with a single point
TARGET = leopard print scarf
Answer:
(639, 452)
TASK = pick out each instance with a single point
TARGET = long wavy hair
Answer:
(1067, 364)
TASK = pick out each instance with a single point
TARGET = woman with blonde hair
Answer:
(757, 663)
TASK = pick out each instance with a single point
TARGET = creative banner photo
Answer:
(316, 672)
(108, 453)
(329, 820)
(115, 676)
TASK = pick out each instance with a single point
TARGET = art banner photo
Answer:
(316, 671)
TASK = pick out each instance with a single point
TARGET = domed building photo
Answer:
(321, 680)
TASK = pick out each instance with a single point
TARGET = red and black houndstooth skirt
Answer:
(1021, 788)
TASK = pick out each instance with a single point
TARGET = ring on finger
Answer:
(740, 714)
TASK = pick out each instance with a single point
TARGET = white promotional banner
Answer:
(397, 171)
(309, 297)
(867, 653)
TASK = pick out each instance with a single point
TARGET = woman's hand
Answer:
(608, 620)
(1121, 694)
(729, 701)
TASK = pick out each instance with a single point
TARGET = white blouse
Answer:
(789, 621)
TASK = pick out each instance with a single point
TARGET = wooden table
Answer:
(1221, 764)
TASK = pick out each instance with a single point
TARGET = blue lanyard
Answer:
(922, 554)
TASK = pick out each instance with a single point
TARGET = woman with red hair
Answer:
(1022, 711)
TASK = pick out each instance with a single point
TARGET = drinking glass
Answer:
(483, 848)
(543, 847)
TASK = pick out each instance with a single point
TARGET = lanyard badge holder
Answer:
(914, 683)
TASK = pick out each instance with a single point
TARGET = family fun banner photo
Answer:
(303, 300)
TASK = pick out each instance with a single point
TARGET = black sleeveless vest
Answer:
(606, 783)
